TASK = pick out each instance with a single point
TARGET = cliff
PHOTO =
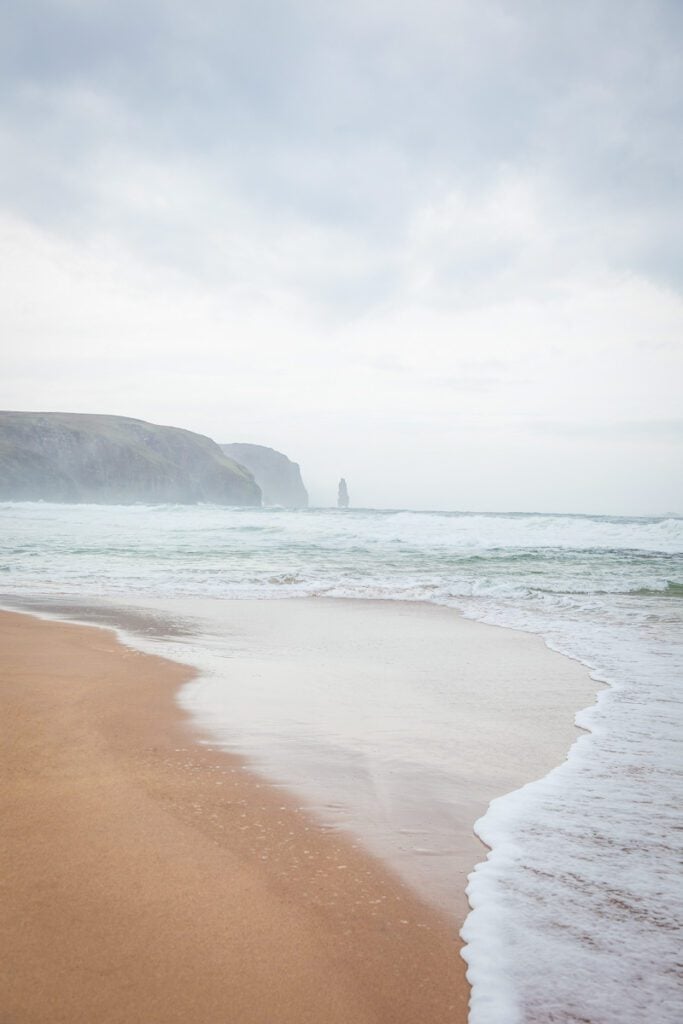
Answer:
(72, 457)
(278, 477)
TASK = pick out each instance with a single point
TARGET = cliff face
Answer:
(278, 477)
(72, 457)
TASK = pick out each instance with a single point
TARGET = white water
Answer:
(577, 911)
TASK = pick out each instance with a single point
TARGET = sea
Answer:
(577, 911)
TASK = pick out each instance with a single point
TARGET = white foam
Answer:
(576, 912)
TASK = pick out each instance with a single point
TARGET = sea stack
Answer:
(342, 494)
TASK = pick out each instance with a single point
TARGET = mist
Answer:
(433, 251)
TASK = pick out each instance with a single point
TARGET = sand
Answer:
(399, 721)
(148, 877)
(145, 879)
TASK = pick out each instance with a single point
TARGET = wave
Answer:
(573, 909)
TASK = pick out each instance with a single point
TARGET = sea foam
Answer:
(577, 910)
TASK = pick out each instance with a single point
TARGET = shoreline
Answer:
(511, 720)
(387, 945)
(135, 882)
(569, 877)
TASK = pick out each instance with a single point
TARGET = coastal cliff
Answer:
(78, 457)
(278, 477)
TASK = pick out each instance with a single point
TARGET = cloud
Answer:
(621, 431)
(394, 221)
(359, 123)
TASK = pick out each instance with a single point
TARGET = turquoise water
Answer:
(577, 911)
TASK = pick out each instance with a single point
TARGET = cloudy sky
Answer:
(434, 247)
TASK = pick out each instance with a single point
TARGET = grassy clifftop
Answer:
(79, 457)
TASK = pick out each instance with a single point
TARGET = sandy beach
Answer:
(148, 877)
(135, 883)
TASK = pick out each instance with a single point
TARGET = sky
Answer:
(432, 247)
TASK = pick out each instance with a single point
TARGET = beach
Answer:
(148, 876)
(134, 882)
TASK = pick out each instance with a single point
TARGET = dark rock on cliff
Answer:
(77, 457)
(278, 477)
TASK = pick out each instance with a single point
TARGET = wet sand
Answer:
(396, 721)
(148, 879)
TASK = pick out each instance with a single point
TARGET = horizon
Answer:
(321, 505)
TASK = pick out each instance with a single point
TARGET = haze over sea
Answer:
(577, 911)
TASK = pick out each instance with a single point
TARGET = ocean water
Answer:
(578, 909)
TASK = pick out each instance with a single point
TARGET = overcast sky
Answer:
(433, 247)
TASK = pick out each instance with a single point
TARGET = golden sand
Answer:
(148, 879)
